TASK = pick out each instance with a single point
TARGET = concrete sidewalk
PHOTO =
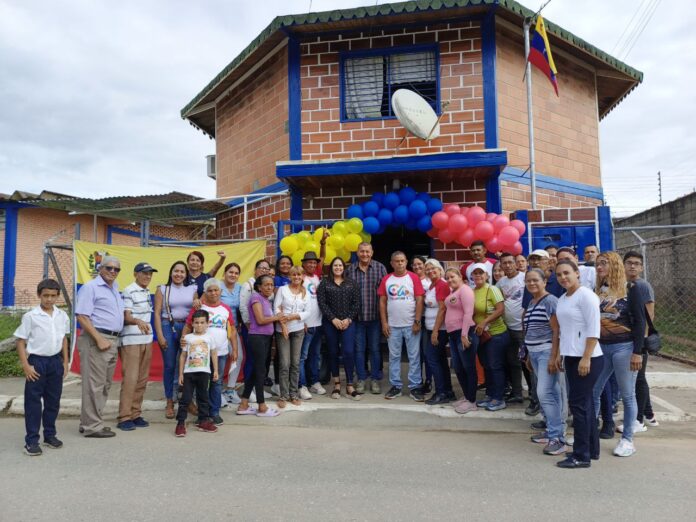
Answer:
(673, 393)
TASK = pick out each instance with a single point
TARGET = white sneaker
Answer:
(275, 390)
(624, 448)
(317, 388)
(266, 395)
(232, 396)
(652, 422)
(252, 396)
(304, 393)
(638, 427)
(223, 401)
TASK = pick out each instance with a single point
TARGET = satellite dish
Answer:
(415, 114)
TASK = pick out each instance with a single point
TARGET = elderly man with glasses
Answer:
(99, 311)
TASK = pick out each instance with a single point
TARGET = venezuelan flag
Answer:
(540, 53)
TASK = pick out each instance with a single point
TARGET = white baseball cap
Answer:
(479, 266)
(540, 253)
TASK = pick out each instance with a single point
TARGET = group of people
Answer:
(564, 327)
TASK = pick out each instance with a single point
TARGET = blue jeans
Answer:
(494, 355)
(310, 354)
(398, 336)
(617, 359)
(464, 362)
(549, 392)
(367, 336)
(347, 340)
(170, 357)
(436, 359)
(49, 387)
(582, 407)
(215, 388)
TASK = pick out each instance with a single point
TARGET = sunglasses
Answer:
(112, 269)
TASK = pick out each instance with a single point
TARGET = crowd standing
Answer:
(567, 328)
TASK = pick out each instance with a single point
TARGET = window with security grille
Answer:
(369, 79)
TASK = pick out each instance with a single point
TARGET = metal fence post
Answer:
(643, 252)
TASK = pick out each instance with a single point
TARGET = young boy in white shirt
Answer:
(198, 353)
(42, 346)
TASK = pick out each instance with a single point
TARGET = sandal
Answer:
(281, 403)
(353, 395)
(295, 401)
(336, 393)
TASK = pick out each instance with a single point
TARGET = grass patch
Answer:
(8, 324)
(677, 326)
(9, 365)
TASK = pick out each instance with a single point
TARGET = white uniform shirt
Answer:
(44, 333)
(578, 318)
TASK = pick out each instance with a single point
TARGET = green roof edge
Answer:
(280, 22)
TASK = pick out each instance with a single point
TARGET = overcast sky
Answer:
(91, 92)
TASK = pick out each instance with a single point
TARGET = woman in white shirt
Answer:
(579, 321)
(292, 301)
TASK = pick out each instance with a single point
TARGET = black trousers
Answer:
(195, 382)
(581, 404)
(643, 393)
(260, 347)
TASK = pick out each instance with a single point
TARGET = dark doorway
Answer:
(411, 242)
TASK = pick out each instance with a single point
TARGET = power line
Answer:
(640, 7)
(650, 11)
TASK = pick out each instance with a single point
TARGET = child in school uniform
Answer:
(42, 346)
(198, 353)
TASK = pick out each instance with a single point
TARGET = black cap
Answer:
(144, 267)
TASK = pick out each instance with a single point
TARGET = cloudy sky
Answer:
(91, 91)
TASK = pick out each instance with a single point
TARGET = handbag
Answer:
(652, 343)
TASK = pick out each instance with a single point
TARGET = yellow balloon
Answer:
(339, 227)
(366, 237)
(330, 253)
(337, 240)
(355, 225)
(311, 246)
(289, 245)
(344, 254)
(303, 237)
(352, 242)
(297, 257)
(319, 234)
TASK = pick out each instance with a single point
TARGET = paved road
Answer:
(262, 472)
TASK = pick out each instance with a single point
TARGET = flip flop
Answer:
(248, 411)
(270, 412)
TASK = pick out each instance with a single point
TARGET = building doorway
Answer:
(411, 242)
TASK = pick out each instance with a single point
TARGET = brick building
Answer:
(304, 111)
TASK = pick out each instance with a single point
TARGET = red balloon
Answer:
(517, 248)
(446, 236)
(475, 215)
(493, 245)
(500, 222)
(433, 232)
(509, 235)
(452, 209)
(440, 219)
(519, 225)
(457, 224)
(491, 216)
(465, 211)
(466, 237)
(484, 230)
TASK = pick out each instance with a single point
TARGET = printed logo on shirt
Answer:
(396, 291)
(198, 354)
(218, 321)
(452, 299)
(311, 288)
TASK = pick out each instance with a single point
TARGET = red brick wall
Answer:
(325, 137)
(519, 197)
(250, 130)
(566, 128)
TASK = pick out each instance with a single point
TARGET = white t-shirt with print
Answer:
(401, 293)
(311, 284)
(513, 291)
(198, 349)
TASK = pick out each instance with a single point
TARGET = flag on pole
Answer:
(540, 53)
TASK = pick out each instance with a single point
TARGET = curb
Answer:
(671, 379)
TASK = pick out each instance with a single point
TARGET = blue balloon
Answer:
(370, 208)
(423, 196)
(370, 225)
(417, 209)
(434, 205)
(424, 224)
(411, 224)
(400, 215)
(378, 197)
(354, 211)
(385, 217)
(391, 201)
(406, 195)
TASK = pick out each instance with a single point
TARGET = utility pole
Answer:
(659, 185)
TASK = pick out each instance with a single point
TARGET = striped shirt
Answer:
(136, 299)
(368, 282)
(537, 328)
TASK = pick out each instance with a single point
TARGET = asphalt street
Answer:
(262, 471)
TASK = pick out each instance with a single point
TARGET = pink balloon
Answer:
(433, 232)
(466, 237)
(493, 245)
(491, 216)
(457, 224)
(509, 235)
(484, 230)
(440, 219)
(475, 215)
(517, 248)
(519, 225)
(446, 236)
(500, 222)
(465, 211)
(452, 209)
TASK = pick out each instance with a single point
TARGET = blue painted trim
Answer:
(113, 229)
(548, 182)
(449, 160)
(385, 51)
(9, 267)
(494, 199)
(523, 216)
(606, 229)
(490, 97)
(274, 187)
(294, 99)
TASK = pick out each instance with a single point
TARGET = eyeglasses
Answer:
(633, 263)
(112, 269)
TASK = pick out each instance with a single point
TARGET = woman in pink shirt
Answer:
(459, 322)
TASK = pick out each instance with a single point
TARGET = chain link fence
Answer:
(669, 267)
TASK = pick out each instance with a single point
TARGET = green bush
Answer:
(9, 365)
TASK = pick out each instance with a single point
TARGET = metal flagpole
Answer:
(530, 116)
